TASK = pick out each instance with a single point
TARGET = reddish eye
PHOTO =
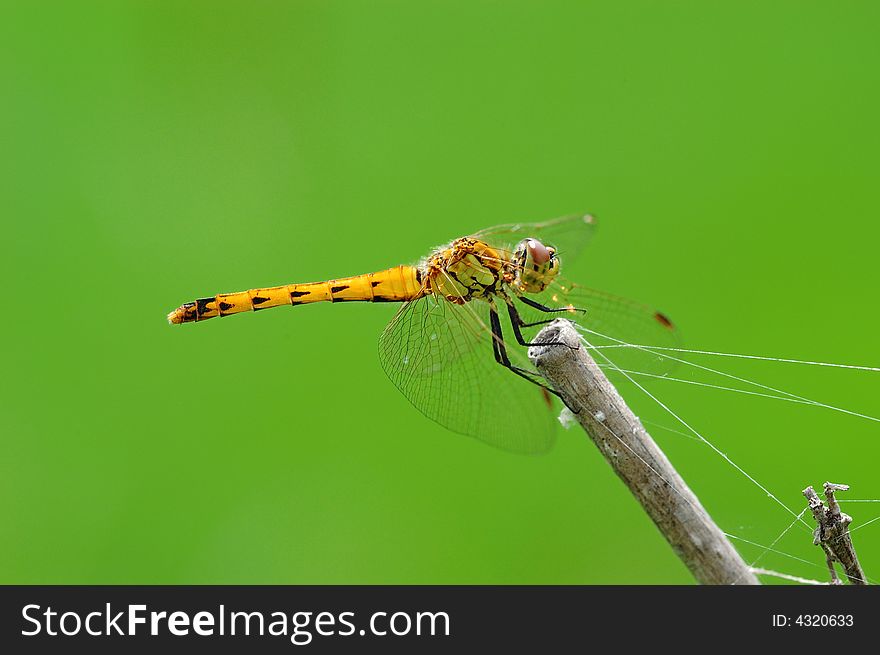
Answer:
(538, 251)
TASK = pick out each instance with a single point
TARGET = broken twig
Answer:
(636, 459)
(832, 534)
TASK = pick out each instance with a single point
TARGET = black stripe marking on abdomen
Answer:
(202, 304)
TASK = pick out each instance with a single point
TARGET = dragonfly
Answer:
(457, 346)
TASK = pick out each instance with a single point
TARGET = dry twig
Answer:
(636, 459)
(832, 534)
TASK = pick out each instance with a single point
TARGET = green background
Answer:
(157, 152)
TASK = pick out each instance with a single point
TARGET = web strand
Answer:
(701, 437)
(779, 538)
(786, 576)
(786, 360)
(727, 375)
(865, 524)
(776, 394)
(713, 386)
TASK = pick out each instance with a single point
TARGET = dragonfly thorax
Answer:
(535, 266)
(468, 269)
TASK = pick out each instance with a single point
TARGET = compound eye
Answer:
(538, 252)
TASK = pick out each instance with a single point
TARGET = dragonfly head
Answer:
(536, 265)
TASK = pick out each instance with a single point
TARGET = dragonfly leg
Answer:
(500, 352)
(546, 310)
(517, 324)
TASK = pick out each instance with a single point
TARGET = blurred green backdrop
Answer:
(154, 152)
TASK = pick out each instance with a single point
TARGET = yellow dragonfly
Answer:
(448, 348)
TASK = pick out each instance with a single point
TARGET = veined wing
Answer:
(609, 324)
(440, 355)
(610, 321)
(568, 234)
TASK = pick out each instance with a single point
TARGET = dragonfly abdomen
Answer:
(397, 284)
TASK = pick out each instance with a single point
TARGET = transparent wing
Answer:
(440, 355)
(612, 325)
(568, 234)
